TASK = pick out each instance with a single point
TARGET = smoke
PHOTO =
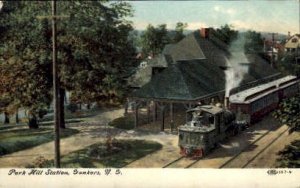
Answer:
(1, 5)
(237, 64)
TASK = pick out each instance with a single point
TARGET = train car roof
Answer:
(243, 96)
(207, 108)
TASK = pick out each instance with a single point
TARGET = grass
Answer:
(78, 115)
(97, 156)
(290, 156)
(12, 140)
(7, 127)
(123, 123)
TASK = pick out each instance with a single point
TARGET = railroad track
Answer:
(176, 163)
(258, 153)
(187, 163)
(173, 162)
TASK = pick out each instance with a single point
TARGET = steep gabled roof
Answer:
(194, 79)
(197, 70)
(186, 49)
(143, 75)
(184, 81)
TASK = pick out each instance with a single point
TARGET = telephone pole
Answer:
(56, 99)
(56, 94)
(272, 53)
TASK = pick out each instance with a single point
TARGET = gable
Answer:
(293, 42)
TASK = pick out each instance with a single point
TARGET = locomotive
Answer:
(207, 125)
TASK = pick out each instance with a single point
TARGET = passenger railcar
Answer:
(252, 104)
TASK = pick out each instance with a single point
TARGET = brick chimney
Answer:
(204, 32)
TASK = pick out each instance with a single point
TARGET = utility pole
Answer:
(56, 99)
(56, 94)
(272, 55)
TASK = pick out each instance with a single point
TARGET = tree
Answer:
(289, 112)
(288, 64)
(154, 39)
(25, 68)
(226, 33)
(253, 42)
(179, 32)
(93, 45)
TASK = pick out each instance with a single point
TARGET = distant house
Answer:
(293, 43)
(274, 49)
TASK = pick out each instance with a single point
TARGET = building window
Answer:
(294, 40)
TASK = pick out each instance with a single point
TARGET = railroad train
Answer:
(209, 124)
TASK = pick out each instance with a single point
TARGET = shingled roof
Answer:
(182, 81)
(186, 49)
(197, 70)
(143, 74)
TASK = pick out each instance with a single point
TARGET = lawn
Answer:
(12, 140)
(121, 154)
(123, 123)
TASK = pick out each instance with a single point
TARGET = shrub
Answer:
(290, 156)
(40, 162)
(289, 112)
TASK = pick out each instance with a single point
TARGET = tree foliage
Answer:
(94, 52)
(289, 156)
(179, 29)
(154, 39)
(289, 112)
(288, 64)
(226, 33)
(253, 42)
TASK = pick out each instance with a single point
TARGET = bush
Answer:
(72, 107)
(289, 112)
(40, 162)
(123, 123)
(290, 156)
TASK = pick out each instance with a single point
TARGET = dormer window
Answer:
(294, 40)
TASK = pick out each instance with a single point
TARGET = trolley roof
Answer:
(245, 95)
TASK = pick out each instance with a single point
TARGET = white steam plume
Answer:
(237, 64)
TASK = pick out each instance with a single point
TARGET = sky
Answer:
(267, 16)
